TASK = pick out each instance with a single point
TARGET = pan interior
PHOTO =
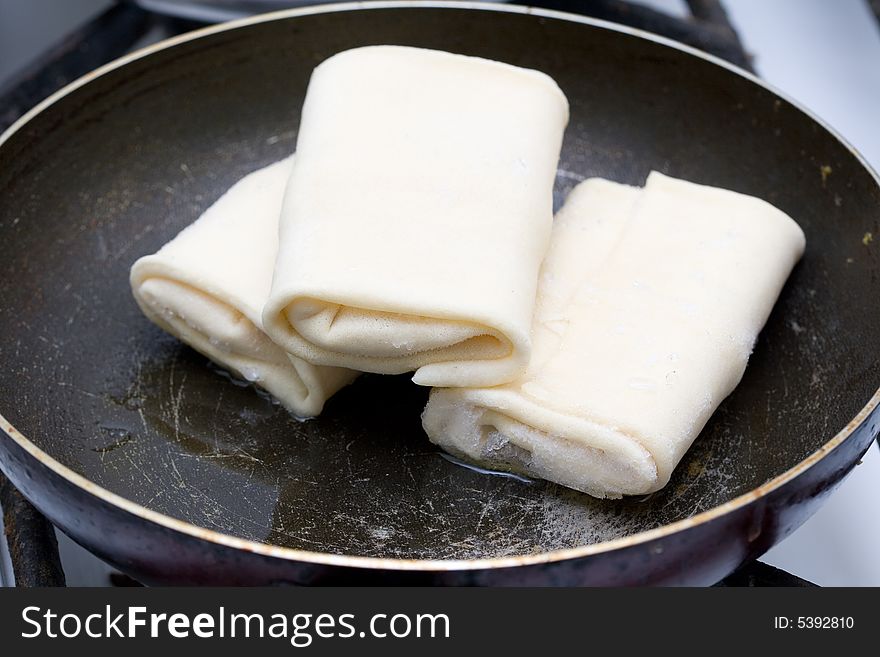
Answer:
(117, 167)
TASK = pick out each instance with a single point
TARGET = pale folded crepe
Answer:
(649, 304)
(208, 285)
(417, 215)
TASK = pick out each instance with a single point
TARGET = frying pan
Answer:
(150, 458)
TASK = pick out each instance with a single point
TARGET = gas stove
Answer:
(818, 54)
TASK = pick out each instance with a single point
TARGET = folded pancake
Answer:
(417, 215)
(208, 285)
(649, 304)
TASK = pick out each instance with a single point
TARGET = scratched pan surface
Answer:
(118, 166)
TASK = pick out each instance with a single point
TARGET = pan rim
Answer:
(389, 563)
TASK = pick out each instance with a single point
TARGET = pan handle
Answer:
(33, 547)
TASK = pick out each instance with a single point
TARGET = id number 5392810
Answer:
(813, 622)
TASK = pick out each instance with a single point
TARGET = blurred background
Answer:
(826, 55)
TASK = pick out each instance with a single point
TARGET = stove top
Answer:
(33, 552)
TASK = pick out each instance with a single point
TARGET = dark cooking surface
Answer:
(90, 381)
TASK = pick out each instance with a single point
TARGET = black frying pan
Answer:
(150, 458)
